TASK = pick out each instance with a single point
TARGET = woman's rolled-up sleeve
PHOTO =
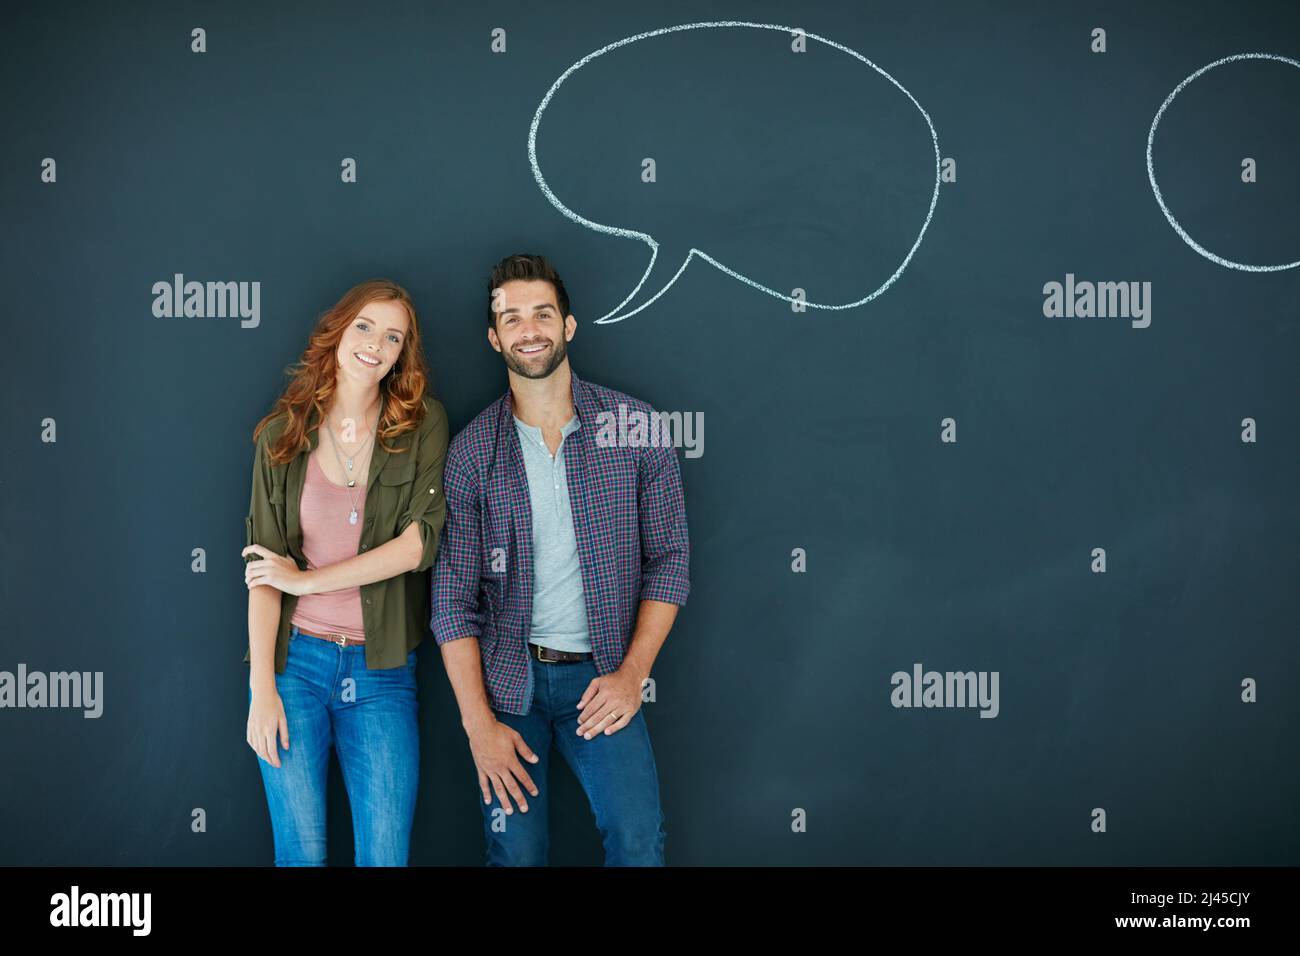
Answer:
(428, 503)
(260, 524)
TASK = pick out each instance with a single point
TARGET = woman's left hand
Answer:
(275, 570)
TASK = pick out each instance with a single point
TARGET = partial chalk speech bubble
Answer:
(616, 314)
(1151, 172)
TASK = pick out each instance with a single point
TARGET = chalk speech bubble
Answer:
(613, 315)
(1151, 172)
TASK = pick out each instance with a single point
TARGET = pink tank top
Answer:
(328, 538)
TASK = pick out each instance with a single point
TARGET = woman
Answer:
(342, 528)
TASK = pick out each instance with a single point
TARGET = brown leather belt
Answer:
(550, 655)
(342, 640)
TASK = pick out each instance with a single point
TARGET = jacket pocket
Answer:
(391, 497)
(394, 473)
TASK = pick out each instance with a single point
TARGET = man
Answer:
(562, 564)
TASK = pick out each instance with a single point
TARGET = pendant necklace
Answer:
(347, 472)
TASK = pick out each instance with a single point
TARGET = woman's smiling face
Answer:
(373, 342)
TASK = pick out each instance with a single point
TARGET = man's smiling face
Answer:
(529, 331)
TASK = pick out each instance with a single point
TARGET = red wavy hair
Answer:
(311, 389)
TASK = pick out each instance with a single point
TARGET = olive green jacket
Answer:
(403, 487)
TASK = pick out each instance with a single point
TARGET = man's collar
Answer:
(575, 387)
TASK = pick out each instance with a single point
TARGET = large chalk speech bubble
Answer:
(1151, 172)
(615, 314)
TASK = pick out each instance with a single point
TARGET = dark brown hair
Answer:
(523, 265)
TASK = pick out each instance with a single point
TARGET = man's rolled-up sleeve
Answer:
(455, 586)
(665, 545)
(428, 503)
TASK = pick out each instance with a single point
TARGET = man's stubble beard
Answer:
(558, 351)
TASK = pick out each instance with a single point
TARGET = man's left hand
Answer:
(608, 703)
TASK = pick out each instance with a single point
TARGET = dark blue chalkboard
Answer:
(994, 151)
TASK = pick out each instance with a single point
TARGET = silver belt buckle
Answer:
(340, 639)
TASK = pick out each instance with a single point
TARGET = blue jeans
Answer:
(617, 771)
(369, 716)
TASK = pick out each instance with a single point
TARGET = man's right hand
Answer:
(496, 748)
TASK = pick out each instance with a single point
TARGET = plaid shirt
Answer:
(629, 518)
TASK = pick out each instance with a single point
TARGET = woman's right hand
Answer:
(265, 719)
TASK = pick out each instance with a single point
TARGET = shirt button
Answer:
(367, 600)
(432, 490)
(364, 546)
